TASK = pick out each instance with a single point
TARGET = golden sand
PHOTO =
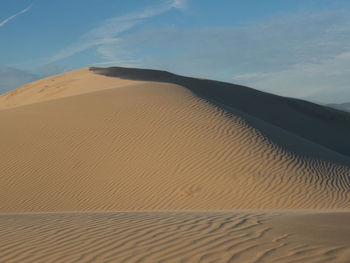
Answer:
(84, 142)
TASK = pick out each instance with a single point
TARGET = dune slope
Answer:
(313, 122)
(65, 85)
(143, 145)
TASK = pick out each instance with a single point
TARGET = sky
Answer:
(298, 48)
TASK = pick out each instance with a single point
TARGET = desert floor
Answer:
(168, 236)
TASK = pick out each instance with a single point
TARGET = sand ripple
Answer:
(157, 146)
(162, 237)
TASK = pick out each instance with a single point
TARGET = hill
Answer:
(130, 139)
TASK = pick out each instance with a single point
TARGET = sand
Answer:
(79, 147)
(175, 237)
(69, 84)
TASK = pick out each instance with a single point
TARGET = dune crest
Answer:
(318, 124)
(65, 85)
(105, 144)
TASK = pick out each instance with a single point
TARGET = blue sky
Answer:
(298, 48)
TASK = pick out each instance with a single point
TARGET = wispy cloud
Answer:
(304, 55)
(107, 32)
(125, 63)
(324, 81)
(4, 22)
(181, 4)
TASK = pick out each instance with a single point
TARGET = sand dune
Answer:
(321, 125)
(176, 237)
(151, 141)
(68, 84)
(152, 145)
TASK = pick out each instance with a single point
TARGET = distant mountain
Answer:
(340, 106)
(11, 78)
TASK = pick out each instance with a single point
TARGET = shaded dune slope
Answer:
(147, 145)
(297, 116)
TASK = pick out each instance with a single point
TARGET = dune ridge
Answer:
(155, 146)
(60, 86)
(301, 118)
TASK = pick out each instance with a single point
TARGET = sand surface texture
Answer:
(122, 139)
(176, 237)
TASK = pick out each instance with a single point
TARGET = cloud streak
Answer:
(109, 29)
(4, 22)
(305, 55)
(180, 4)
